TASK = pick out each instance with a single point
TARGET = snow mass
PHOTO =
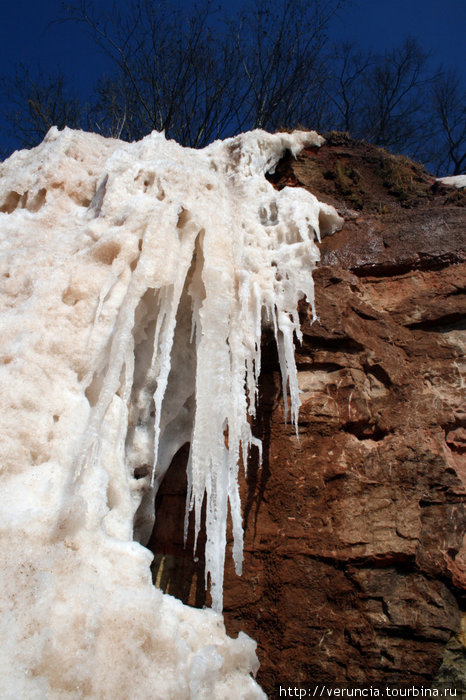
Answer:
(136, 280)
(458, 181)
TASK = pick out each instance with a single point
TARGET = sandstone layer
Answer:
(355, 566)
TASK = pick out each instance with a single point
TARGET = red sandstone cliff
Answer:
(355, 567)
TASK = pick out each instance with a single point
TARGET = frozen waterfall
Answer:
(137, 279)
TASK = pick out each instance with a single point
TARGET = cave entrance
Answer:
(177, 569)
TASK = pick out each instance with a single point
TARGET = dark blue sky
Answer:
(27, 35)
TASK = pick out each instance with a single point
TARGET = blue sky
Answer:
(439, 25)
(29, 35)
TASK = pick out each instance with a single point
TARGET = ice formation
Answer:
(135, 282)
(458, 181)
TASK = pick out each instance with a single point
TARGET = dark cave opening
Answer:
(176, 568)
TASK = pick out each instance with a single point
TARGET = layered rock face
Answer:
(355, 567)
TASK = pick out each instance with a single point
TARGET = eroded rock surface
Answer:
(355, 566)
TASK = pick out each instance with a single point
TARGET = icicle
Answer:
(222, 251)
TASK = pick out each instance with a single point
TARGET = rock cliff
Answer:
(355, 566)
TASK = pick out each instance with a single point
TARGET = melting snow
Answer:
(458, 181)
(135, 282)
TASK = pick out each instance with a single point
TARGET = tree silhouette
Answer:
(199, 75)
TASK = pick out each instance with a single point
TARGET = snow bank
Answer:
(458, 181)
(135, 280)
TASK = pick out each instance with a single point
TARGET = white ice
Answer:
(458, 181)
(135, 281)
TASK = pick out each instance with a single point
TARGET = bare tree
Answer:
(449, 116)
(347, 86)
(173, 73)
(35, 102)
(199, 76)
(393, 116)
(281, 54)
(384, 98)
